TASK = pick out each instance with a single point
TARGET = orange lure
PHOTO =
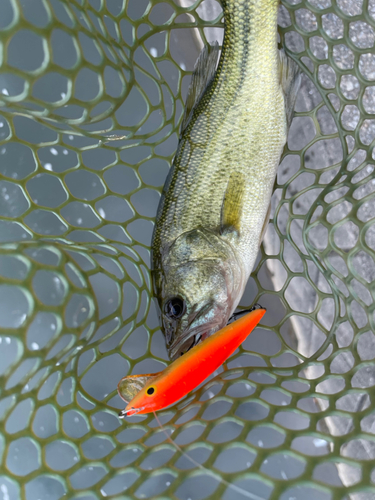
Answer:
(162, 389)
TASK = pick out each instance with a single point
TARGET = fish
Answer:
(154, 392)
(215, 203)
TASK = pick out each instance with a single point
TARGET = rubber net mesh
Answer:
(92, 94)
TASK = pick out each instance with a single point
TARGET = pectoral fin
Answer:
(290, 79)
(204, 72)
(232, 204)
(129, 386)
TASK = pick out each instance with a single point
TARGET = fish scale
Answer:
(220, 184)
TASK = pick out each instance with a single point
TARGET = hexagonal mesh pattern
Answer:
(92, 94)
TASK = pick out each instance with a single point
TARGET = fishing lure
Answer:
(153, 392)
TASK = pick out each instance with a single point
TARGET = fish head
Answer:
(198, 284)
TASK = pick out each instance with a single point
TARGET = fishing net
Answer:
(92, 93)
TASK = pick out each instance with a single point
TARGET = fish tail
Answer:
(233, 487)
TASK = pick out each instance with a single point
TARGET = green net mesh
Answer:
(92, 93)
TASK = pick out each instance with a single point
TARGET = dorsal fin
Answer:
(231, 208)
(204, 72)
(290, 80)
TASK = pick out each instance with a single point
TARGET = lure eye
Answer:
(150, 391)
(174, 308)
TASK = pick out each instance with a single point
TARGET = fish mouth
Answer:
(194, 335)
(190, 338)
(198, 329)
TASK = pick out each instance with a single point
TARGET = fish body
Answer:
(215, 201)
(188, 371)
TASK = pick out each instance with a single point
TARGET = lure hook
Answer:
(239, 314)
(132, 411)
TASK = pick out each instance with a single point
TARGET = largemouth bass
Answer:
(214, 206)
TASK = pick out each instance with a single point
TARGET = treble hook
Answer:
(239, 314)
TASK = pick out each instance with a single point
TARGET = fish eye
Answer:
(174, 308)
(150, 391)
